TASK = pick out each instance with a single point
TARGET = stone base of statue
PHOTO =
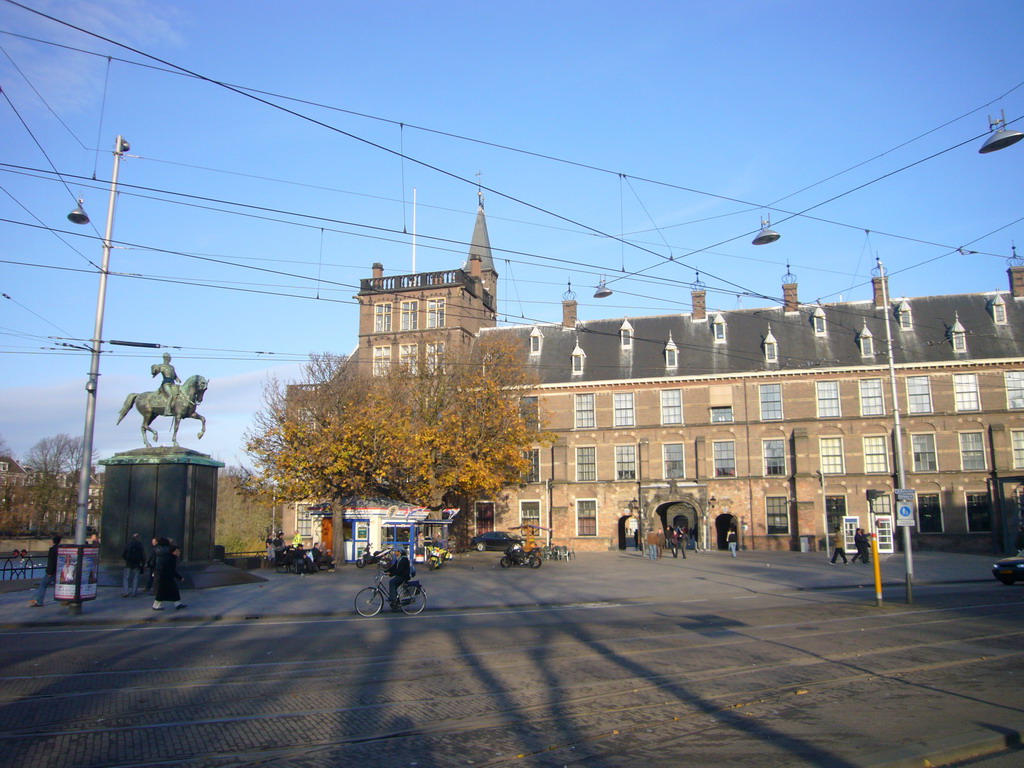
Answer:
(164, 492)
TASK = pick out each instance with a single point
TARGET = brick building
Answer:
(775, 420)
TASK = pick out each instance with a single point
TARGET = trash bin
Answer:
(806, 543)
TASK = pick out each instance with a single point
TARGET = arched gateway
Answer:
(685, 507)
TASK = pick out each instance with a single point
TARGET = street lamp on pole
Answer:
(78, 216)
(908, 558)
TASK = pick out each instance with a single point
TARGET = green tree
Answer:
(419, 435)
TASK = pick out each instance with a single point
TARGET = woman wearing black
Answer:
(167, 578)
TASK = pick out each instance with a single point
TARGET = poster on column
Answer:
(78, 570)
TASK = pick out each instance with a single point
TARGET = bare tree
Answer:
(54, 463)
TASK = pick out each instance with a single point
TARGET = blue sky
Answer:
(243, 229)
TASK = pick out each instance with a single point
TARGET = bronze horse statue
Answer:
(182, 405)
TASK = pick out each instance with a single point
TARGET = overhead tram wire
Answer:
(242, 90)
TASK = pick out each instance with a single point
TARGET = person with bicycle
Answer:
(399, 571)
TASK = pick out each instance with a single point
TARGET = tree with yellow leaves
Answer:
(417, 434)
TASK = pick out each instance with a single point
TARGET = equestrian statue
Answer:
(172, 398)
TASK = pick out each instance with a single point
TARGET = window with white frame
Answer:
(872, 397)
(1014, 389)
(529, 513)
(771, 351)
(304, 522)
(999, 310)
(724, 452)
(671, 356)
(718, 329)
(831, 455)
(819, 322)
(435, 357)
(585, 414)
(880, 504)
(903, 316)
(776, 511)
(622, 403)
(771, 401)
(626, 335)
(721, 414)
(533, 470)
(409, 315)
(959, 339)
(835, 511)
(381, 361)
(919, 394)
(929, 513)
(867, 343)
(435, 313)
(965, 390)
(382, 318)
(671, 406)
(586, 464)
(979, 512)
(672, 454)
(828, 399)
(923, 448)
(625, 462)
(876, 453)
(408, 357)
(586, 517)
(535, 339)
(972, 451)
(1017, 441)
(578, 356)
(774, 452)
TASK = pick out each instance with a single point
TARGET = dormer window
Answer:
(771, 347)
(536, 337)
(958, 336)
(578, 356)
(626, 335)
(998, 307)
(718, 328)
(903, 316)
(671, 353)
(818, 319)
(867, 342)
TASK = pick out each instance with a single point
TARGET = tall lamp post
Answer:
(78, 216)
(908, 558)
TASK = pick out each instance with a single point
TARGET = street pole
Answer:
(908, 558)
(85, 473)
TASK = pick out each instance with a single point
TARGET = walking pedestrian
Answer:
(49, 576)
(134, 556)
(652, 545)
(838, 545)
(683, 537)
(159, 549)
(167, 578)
(860, 540)
(673, 540)
(661, 542)
(732, 539)
(693, 537)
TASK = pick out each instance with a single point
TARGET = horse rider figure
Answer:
(169, 386)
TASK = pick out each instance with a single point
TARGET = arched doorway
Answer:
(722, 524)
(677, 513)
(628, 527)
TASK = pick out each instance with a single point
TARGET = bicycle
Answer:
(412, 598)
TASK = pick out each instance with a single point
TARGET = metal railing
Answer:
(13, 567)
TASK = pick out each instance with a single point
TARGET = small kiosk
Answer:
(378, 523)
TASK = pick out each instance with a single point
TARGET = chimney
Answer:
(878, 283)
(700, 311)
(474, 266)
(378, 269)
(789, 300)
(1016, 274)
(569, 313)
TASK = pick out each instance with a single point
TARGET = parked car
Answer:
(1009, 569)
(494, 540)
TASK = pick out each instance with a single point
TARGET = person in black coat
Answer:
(167, 578)
(134, 557)
(400, 573)
(49, 576)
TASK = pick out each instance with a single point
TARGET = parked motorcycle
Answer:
(437, 556)
(381, 558)
(516, 555)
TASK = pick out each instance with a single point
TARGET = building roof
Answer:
(928, 340)
(481, 243)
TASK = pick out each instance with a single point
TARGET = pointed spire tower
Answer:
(480, 248)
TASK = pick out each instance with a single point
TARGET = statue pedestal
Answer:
(156, 492)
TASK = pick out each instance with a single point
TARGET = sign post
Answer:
(906, 505)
